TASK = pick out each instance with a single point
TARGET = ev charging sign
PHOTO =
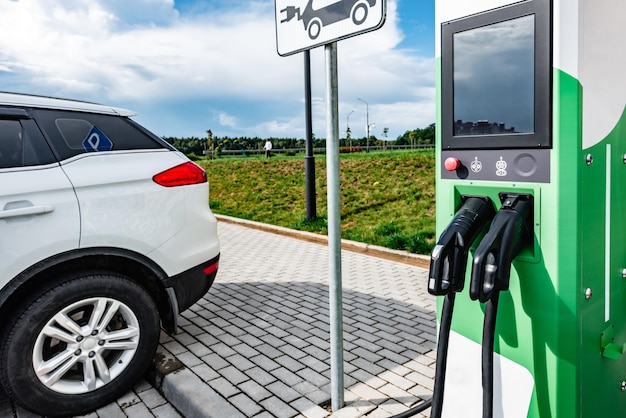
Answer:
(306, 24)
(96, 140)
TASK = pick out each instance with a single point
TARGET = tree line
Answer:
(200, 146)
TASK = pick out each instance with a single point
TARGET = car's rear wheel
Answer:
(79, 345)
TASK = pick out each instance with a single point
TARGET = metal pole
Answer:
(309, 160)
(334, 228)
(367, 126)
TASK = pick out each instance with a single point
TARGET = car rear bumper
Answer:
(190, 285)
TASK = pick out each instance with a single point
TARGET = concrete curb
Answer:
(358, 247)
(191, 397)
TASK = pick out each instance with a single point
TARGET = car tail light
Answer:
(181, 175)
(212, 268)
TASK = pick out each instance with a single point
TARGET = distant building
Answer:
(481, 127)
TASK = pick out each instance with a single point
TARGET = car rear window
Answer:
(74, 133)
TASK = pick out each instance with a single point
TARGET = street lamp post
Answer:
(367, 126)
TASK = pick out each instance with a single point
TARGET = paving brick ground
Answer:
(257, 345)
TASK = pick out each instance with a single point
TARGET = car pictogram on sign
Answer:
(315, 19)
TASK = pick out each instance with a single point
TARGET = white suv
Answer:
(105, 236)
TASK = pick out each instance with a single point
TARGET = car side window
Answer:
(10, 143)
(74, 133)
(22, 145)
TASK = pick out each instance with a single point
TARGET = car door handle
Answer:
(26, 211)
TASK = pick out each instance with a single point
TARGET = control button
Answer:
(525, 165)
(452, 164)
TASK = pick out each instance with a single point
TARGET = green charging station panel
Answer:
(531, 99)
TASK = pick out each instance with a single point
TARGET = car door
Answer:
(39, 215)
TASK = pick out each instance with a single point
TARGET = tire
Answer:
(79, 345)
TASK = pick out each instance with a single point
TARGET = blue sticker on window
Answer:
(97, 141)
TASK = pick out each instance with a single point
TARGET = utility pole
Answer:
(367, 126)
(385, 132)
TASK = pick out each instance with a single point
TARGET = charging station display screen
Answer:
(494, 76)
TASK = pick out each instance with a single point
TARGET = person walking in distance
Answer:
(268, 148)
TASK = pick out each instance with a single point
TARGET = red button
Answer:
(452, 164)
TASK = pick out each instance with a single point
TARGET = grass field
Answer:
(387, 198)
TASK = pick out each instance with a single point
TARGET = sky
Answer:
(187, 66)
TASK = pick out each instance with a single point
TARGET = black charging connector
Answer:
(448, 260)
(510, 230)
(448, 264)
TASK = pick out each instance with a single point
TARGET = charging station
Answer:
(531, 209)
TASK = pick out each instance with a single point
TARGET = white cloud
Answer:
(140, 51)
(227, 120)
(275, 128)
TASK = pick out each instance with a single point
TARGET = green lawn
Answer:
(387, 198)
